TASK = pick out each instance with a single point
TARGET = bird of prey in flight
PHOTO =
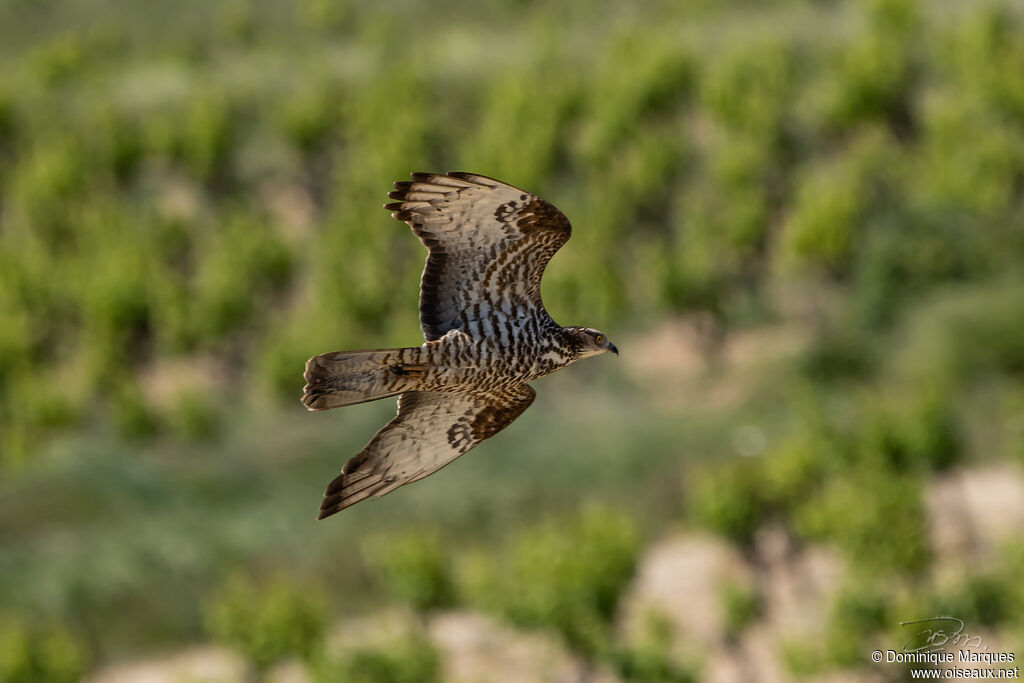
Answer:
(487, 334)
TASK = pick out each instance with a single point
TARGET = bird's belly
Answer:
(486, 371)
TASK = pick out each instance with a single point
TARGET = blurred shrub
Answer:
(650, 666)
(118, 318)
(750, 89)
(39, 654)
(285, 348)
(310, 117)
(649, 660)
(984, 53)
(235, 22)
(741, 605)
(825, 217)
(875, 74)
(916, 434)
(727, 499)
(737, 497)
(721, 232)
(966, 335)
(195, 415)
(988, 595)
(858, 611)
(1013, 425)
(45, 405)
(412, 660)
(796, 466)
(61, 59)
(267, 621)
(206, 136)
(660, 80)
(874, 516)
(853, 481)
(561, 574)
(841, 351)
(900, 258)
(242, 265)
(326, 16)
(799, 659)
(868, 608)
(983, 599)
(51, 175)
(120, 143)
(513, 109)
(969, 160)
(413, 567)
(8, 123)
(837, 201)
(132, 415)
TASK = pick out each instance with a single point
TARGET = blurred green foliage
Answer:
(563, 574)
(411, 660)
(992, 597)
(267, 621)
(741, 605)
(865, 607)
(414, 567)
(852, 480)
(875, 518)
(38, 653)
(649, 660)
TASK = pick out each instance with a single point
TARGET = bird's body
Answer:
(487, 334)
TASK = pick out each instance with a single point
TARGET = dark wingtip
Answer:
(333, 501)
(333, 504)
(313, 393)
(314, 401)
(328, 507)
(336, 485)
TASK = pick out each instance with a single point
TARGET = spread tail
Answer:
(344, 378)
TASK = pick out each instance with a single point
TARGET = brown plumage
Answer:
(486, 332)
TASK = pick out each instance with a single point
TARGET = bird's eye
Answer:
(599, 338)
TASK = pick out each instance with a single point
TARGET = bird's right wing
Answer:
(489, 243)
(431, 429)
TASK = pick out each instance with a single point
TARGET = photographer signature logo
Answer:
(938, 633)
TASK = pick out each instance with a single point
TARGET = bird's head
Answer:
(591, 341)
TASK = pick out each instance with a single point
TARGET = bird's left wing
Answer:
(430, 430)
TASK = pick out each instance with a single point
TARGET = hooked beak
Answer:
(611, 347)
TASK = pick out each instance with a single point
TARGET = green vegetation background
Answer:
(189, 208)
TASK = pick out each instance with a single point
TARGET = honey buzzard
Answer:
(487, 334)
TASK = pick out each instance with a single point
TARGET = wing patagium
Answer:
(430, 430)
(489, 243)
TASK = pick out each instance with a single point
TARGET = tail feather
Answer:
(344, 378)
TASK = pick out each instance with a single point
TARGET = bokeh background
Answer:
(802, 223)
